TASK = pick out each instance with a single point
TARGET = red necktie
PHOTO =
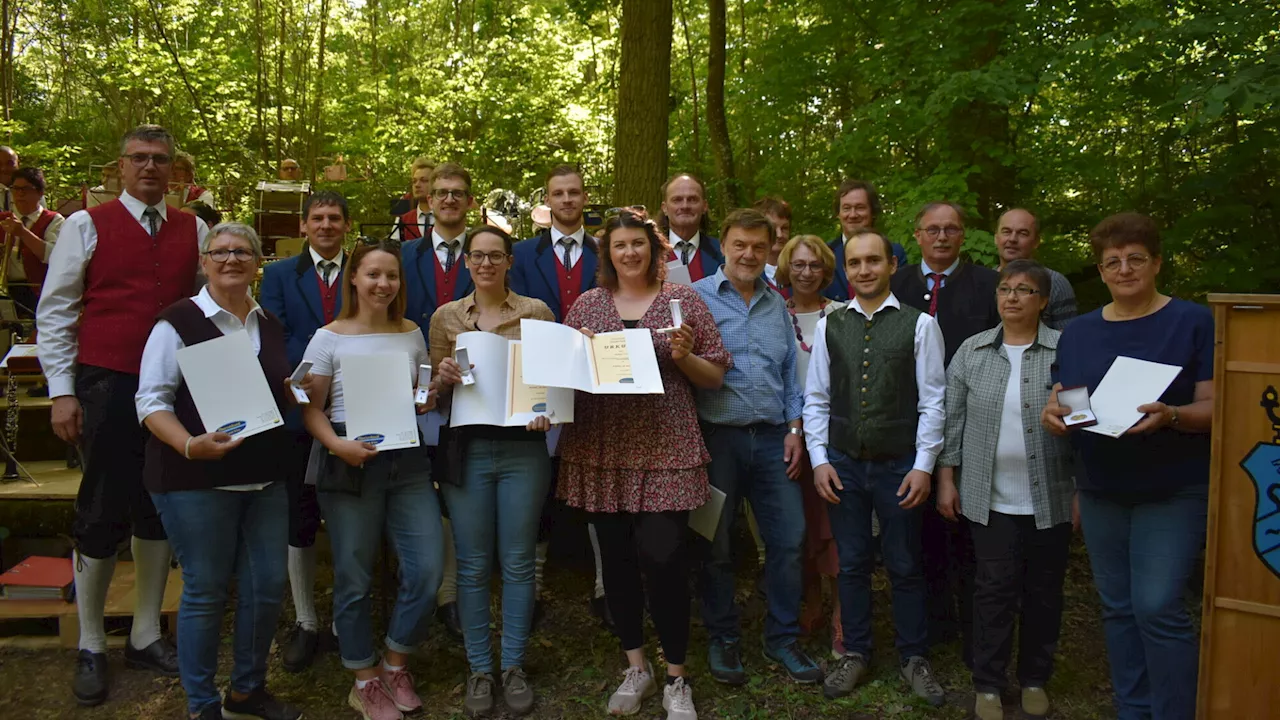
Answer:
(937, 290)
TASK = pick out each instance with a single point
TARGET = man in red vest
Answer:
(411, 225)
(684, 219)
(115, 267)
(184, 179)
(33, 230)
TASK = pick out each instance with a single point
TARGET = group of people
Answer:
(862, 406)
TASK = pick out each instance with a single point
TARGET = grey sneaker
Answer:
(677, 700)
(516, 692)
(987, 706)
(637, 684)
(919, 675)
(845, 676)
(479, 700)
(1035, 702)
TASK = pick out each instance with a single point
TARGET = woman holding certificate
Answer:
(365, 493)
(637, 463)
(1144, 494)
(503, 481)
(217, 496)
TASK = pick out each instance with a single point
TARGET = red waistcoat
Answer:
(695, 264)
(32, 264)
(129, 280)
(445, 282)
(570, 284)
(410, 229)
(194, 192)
(328, 297)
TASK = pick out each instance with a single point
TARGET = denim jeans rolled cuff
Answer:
(873, 485)
(495, 515)
(747, 464)
(219, 535)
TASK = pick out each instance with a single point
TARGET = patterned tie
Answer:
(937, 290)
(686, 249)
(153, 220)
(326, 267)
(451, 249)
(567, 243)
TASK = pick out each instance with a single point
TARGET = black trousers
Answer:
(112, 500)
(947, 550)
(1017, 565)
(644, 556)
(304, 508)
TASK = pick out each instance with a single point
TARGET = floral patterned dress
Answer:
(640, 453)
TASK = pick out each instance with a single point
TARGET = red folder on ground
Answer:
(38, 578)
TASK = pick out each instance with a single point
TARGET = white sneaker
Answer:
(637, 684)
(677, 700)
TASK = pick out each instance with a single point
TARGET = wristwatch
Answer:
(800, 431)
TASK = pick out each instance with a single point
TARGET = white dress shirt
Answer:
(925, 270)
(317, 258)
(438, 242)
(58, 315)
(931, 388)
(695, 241)
(771, 272)
(575, 250)
(160, 377)
(16, 270)
(422, 221)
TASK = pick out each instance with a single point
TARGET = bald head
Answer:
(1017, 236)
(8, 163)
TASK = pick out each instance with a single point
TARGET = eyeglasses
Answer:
(441, 194)
(798, 268)
(1022, 291)
(22, 188)
(140, 160)
(495, 258)
(951, 231)
(222, 255)
(1136, 261)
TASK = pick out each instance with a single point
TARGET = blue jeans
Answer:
(873, 485)
(397, 499)
(1143, 554)
(746, 463)
(504, 483)
(218, 535)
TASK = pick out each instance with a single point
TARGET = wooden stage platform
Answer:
(50, 480)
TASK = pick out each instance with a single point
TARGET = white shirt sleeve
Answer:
(58, 314)
(206, 197)
(320, 352)
(931, 389)
(817, 397)
(160, 376)
(51, 235)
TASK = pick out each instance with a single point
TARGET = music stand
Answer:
(15, 366)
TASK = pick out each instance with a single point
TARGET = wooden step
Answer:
(50, 480)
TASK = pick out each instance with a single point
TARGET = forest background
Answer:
(1073, 108)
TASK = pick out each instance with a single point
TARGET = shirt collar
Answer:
(723, 280)
(438, 240)
(1045, 337)
(34, 213)
(577, 235)
(855, 304)
(136, 207)
(695, 241)
(210, 307)
(925, 269)
(469, 302)
(317, 258)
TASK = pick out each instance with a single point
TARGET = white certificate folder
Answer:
(228, 386)
(499, 396)
(1128, 384)
(377, 393)
(617, 363)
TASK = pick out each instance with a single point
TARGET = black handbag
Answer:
(333, 473)
(448, 470)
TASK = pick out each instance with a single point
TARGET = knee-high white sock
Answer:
(449, 583)
(150, 573)
(93, 577)
(539, 563)
(302, 582)
(595, 549)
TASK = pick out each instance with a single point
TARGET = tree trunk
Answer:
(693, 85)
(280, 49)
(317, 130)
(644, 89)
(260, 77)
(716, 120)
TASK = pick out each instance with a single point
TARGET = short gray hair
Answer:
(148, 133)
(240, 230)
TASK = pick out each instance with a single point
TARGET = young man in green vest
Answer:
(873, 421)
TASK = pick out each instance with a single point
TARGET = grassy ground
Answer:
(574, 666)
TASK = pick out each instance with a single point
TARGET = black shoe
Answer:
(90, 682)
(299, 649)
(447, 614)
(211, 712)
(159, 657)
(260, 705)
(600, 608)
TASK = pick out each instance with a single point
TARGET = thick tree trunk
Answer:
(644, 89)
(716, 120)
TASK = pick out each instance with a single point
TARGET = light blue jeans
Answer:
(504, 484)
(397, 499)
(219, 535)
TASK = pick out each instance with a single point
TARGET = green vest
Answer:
(873, 382)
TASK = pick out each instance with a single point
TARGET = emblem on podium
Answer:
(1262, 464)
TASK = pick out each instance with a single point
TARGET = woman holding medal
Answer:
(366, 494)
(1014, 489)
(637, 463)
(1143, 495)
(218, 496)
(501, 485)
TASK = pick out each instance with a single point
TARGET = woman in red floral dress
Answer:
(637, 463)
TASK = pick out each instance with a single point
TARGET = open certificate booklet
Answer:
(616, 363)
(228, 387)
(499, 396)
(1129, 383)
(377, 393)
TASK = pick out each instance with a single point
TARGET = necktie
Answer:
(937, 290)
(686, 249)
(451, 249)
(326, 267)
(567, 243)
(153, 220)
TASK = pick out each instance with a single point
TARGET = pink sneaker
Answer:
(373, 702)
(399, 684)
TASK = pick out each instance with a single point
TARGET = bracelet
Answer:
(186, 451)
(1174, 420)
(796, 431)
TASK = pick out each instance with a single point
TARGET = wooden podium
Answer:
(1240, 640)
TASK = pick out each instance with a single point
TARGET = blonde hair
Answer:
(422, 163)
(818, 247)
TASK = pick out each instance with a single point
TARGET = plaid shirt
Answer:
(976, 382)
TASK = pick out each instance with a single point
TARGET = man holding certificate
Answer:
(217, 494)
(751, 425)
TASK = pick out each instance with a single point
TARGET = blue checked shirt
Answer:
(761, 387)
